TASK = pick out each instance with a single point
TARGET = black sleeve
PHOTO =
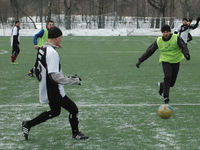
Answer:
(150, 50)
(183, 46)
(194, 26)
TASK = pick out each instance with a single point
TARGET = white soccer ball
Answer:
(165, 111)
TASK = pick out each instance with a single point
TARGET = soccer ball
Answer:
(165, 111)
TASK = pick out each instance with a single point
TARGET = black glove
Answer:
(187, 56)
(198, 19)
(138, 64)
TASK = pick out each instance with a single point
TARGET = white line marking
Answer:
(3, 51)
(100, 105)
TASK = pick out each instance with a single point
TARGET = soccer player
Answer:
(172, 50)
(185, 28)
(51, 80)
(40, 39)
(15, 39)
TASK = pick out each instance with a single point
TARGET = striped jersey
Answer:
(48, 62)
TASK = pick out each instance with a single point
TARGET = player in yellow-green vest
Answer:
(40, 39)
(172, 50)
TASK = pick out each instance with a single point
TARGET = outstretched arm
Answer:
(195, 25)
(61, 79)
(150, 50)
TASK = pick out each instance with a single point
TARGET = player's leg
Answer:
(71, 107)
(175, 70)
(15, 52)
(167, 69)
(31, 72)
(54, 111)
(160, 86)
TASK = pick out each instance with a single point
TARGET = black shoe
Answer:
(166, 100)
(30, 74)
(160, 85)
(79, 136)
(25, 129)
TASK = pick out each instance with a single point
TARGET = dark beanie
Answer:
(54, 32)
(165, 28)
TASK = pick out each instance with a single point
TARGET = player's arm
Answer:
(36, 36)
(195, 25)
(189, 37)
(150, 50)
(52, 60)
(184, 48)
(61, 79)
(15, 36)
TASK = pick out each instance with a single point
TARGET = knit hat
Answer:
(165, 28)
(54, 32)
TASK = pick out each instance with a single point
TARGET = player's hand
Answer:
(187, 56)
(198, 19)
(36, 46)
(60, 46)
(76, 76)
(138, 64)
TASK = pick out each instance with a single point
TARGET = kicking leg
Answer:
(71, 107)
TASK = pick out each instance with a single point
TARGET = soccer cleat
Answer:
(166, 100)
(79, 136)
(30, 74)
(25, 129)
(14, 63)
(160, 86)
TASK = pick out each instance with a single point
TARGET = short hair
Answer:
(184, 19)
(17, 21)
(165, 28)
(49, 21)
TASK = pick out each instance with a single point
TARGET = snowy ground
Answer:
(98, 32)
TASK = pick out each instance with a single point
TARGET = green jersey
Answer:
(43, 39)
(169, 50)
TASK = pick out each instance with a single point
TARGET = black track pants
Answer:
(55, 109)
(170, 74)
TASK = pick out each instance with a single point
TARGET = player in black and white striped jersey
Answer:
(51, 80)
(185, 28)
(15, 39)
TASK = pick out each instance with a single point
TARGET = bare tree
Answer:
(101, 17)
(15, 8)
(161, 6)
(187, 8)
(67, 18)
(172, 13)
(49, 9)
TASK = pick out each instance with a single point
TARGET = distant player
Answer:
(15, 40)
(51, 90)
(40, 39)
(172, 50)
(184, 29)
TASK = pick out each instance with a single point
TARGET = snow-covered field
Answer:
(98, 32)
